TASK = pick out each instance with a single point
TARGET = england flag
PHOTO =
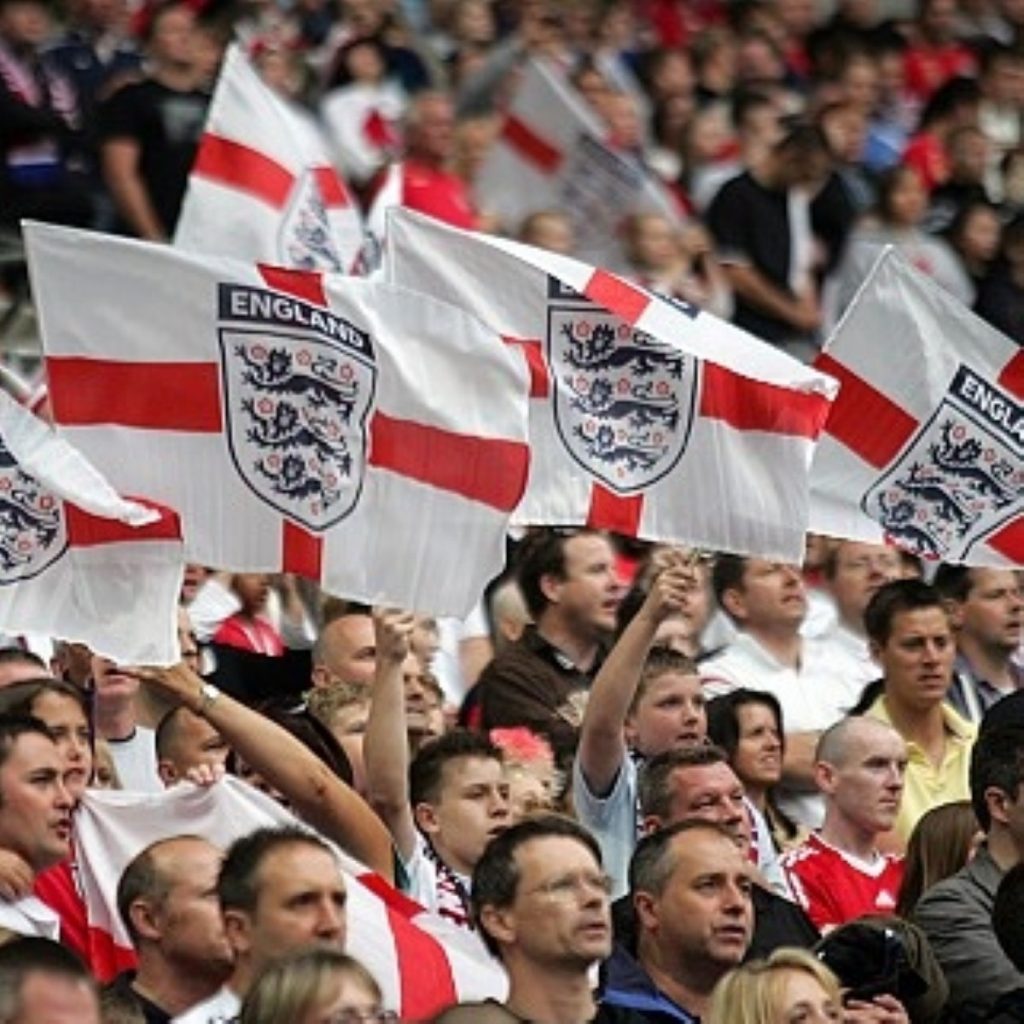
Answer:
(647, 416)
(367, 437)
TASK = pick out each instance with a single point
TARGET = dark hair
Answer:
(496, 875)
(18, 698)
(953, 582)
(727, 574)
(1008, 915)
(14, 655)
(237, 887)
(724, 716)
(24, 956)
(426, 772)
(653, 862)
(13, 727)
(997, 761)
(893, 599)
(955, 93)
(542, 553)
(654, 789)
(939, 846)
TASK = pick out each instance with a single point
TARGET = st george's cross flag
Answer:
(369, 438)
(551, 154)
(262, 186)
(647, 416)
(421, 962)
(924, 447)
(78, 561)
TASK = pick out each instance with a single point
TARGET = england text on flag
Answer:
(550, 154)
(262, 186)
(76, 560)
(421, 963)
(356, 433)
(647, 416)
(924, 447)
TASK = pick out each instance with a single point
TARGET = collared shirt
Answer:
(30, 916)
(927, 785)
(221, 1008)
(971, 696)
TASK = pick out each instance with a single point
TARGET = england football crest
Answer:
(304, 238)
(32, 535)
(623, 400)
(962, 476)
(299, 385)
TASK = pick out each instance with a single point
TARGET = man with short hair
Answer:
(446, 806)
(912, 641)
(691, 891)
(986, 609)
(345, 650)
(20, 666)
(41, 982)
(541, 681)
(1008, 924)
(281, 891)
(838, 873)
(956, 913)
(35, 817)
(132, 745)
(767, 602)
(185, 740)
(167, 899)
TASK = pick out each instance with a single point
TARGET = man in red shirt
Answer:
(839, 873)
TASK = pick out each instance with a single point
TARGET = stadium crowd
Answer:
(642, 783)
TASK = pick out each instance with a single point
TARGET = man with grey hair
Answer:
(839, 873)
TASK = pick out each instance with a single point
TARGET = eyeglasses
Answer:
(567, 886)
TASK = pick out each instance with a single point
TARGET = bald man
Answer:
(839, 873)
(346, 650)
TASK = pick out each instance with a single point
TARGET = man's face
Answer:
(189, 920)
(917, 659)
(48, 998)
(110, 682)
(588, 596)
(472, 808)
(348, 651)
(704, 916)
(35, 808)
(992, 614)
(195, 742)
(561, 914)
(301, 904)
(709, 792)
(433, 136)
(867, 784)
(670, 714)
(770, 596)
(860, 569)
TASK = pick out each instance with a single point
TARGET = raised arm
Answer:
(602, 747)
(386, 742)
(317, 795)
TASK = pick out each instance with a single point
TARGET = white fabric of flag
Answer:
(262, 186)
(647, 416)
(367, 437)
(78, 561)
(924, 447)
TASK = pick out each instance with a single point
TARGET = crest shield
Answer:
(297, 403)
(305, 239)
(32, 535)
(623, 400)
(961, 478)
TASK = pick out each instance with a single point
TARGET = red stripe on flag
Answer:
(1012, 375)
(616, 512)
(153, 396)
(531, 146)
(332, 189)
(86, 530)
(300, 284)
(487, 470)
(755, 405)
(1009, 541)
(622, 298)
(236, 166)
(533, 353)
(863, 419)
(301, 552)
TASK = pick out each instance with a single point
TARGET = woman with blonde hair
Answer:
(318, 986)
(790, 987)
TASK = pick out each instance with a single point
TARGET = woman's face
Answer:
(758, 757)
(907, 200)
(65, 719)
(804, 1001)
(352, 1001)
(979, 239)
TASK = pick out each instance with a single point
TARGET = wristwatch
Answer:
(208, 696)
